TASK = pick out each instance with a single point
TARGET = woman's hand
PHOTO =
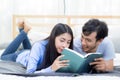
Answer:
(59, 63)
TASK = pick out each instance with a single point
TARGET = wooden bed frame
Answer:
(48, 21)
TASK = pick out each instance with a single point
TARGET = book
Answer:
(77, 62)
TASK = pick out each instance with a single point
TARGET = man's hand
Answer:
(59, 63)
(101, 65)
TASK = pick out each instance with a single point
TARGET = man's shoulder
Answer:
(77, 45)
(107, 48)
(77, 39)
(107, 40)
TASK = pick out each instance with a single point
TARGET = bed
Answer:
(41, 27)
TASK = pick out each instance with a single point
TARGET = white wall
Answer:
(40, 7)
(52, 7)
(35, 7)
(93, 7)
(5, 20)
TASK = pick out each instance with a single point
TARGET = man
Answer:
(94, 39)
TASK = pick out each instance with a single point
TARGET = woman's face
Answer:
(62, 41)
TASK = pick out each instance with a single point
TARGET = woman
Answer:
(45, 54)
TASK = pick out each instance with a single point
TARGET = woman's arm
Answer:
(36, 56)
(57, 64)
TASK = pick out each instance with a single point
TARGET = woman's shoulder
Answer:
(40, 43)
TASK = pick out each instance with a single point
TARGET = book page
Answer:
(75, 52)
(91, 54)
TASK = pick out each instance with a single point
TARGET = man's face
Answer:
(89, 43)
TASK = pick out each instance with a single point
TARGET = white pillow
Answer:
(36, 36)
(114, 35)
(1, 51)
(77, 30)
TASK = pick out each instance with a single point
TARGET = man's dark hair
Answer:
(95, 25)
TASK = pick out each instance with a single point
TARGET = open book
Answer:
(78, 63)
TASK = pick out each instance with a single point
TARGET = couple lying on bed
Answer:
(44, 55)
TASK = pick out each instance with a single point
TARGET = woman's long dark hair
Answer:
(51, 52)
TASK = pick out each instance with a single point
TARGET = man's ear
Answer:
(100, 40)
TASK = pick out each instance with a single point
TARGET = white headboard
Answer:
(43, 24)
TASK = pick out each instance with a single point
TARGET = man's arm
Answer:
(106, 63)
(102, 65)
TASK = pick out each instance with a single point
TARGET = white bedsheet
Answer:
(83, 77)
(1, 51)
(13, 77)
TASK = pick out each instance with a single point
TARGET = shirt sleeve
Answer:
(45, 70)
(36, 58)
(36, 55)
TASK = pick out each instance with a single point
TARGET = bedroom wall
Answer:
(6, 12)
(52, 7)
(34, 7)
(92, 7)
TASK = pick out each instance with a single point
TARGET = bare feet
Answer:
(21, 24)
(27, 27)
